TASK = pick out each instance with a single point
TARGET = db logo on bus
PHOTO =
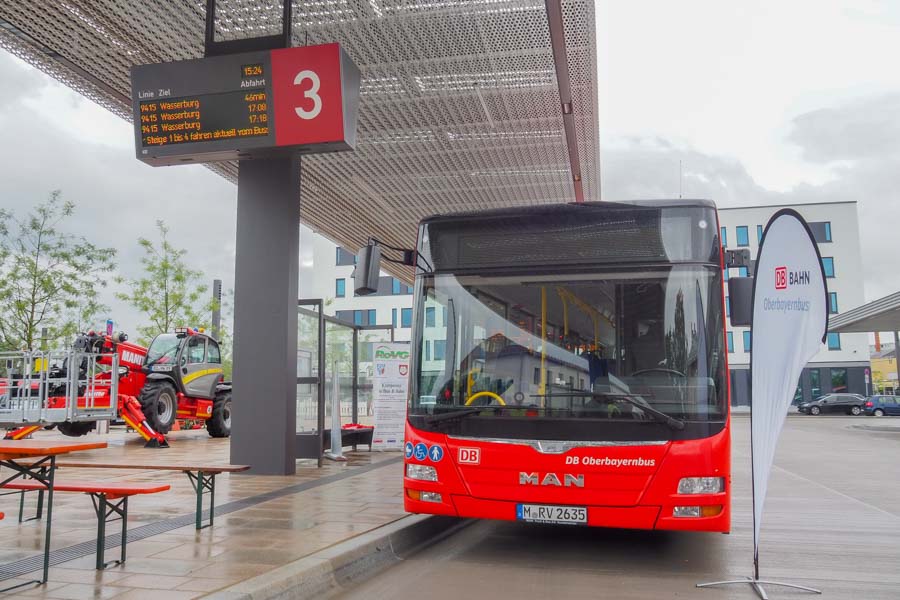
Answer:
(469, 456)
(781, 278)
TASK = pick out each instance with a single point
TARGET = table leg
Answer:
(49, 518)
(201, 483)
(39, 471)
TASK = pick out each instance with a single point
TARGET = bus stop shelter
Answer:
(880, 315)
(463, 105)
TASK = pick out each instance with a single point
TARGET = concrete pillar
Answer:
(263, 424)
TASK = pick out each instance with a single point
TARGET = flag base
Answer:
(757, 587)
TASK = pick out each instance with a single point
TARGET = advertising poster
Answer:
(390, 384)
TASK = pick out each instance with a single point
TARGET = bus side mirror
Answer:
(368, 270)
(740, 299)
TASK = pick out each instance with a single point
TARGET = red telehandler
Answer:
(179, 376)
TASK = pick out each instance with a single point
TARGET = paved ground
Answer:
(832, 521)
(184, 563)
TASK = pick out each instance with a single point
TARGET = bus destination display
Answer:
(227, 107)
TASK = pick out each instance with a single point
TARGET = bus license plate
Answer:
(545, 513)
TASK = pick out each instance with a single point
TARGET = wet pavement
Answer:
(832, 521)
(334, 503)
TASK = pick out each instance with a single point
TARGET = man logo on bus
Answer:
(781, 278)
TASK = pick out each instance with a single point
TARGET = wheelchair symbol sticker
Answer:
(420, 451)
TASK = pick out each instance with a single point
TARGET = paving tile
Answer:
(185, 563)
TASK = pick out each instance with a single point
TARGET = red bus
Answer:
(569, 366)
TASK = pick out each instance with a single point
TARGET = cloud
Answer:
(19, 82)
(118, 199)
(864, 129)
(649, 168)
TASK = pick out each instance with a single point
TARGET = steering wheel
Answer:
(660, 370)
(492, 395)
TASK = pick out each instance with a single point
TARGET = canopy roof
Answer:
(880, 315)
(462, 101)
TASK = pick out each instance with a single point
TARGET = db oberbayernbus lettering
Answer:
(569, 363)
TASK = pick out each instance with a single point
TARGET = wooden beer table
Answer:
(40, 465)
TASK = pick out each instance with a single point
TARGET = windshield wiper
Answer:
(629, 398)
(456, 414)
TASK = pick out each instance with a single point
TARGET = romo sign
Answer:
(789, 324)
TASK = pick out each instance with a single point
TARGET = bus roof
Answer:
(562, 209)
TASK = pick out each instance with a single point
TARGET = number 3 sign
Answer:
(316, 96)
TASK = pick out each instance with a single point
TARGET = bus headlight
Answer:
(421, 472)
(701, 485)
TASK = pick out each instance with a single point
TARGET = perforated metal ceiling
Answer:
(460, 108)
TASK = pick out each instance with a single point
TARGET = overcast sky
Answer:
(765, 102)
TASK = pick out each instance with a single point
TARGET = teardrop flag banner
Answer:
(790, 321)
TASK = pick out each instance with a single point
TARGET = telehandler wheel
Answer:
(219, 423)
(76, 429)
(159, 405)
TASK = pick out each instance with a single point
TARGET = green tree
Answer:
(169, 294)
(48, 278)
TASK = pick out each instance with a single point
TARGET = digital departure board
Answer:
(245, 105)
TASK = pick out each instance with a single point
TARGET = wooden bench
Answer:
(202, 477)
(101, 493)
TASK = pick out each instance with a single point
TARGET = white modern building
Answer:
(843, 363)
(326, 272)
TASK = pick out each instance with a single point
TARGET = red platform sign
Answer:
(308, 99)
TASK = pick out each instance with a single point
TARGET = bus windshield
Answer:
(598, 355)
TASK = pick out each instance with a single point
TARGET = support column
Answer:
(263, 424)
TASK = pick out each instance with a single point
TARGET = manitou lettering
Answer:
(132, 357)
(551, 479)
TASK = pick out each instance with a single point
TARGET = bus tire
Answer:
(219, 423)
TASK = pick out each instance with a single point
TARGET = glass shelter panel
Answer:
(307, 366)
(338, 370)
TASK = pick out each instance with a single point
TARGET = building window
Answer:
(394, 317)
(838, 380)
(821, 231)
(537, 376)
(405, 317)
(727, 306)
(815, 389)
(832, 303)
(440, 347)
(427, 350)
(730, 338)
(759, 232)
(340, 288)
(395, 286)
(429, 316)
(834, 341)
(443, 316)
(409, 290)
(726, 273)
(357, 317)
(743, 236)
(343, 257)
(747, 341)
(372, 319)
(743, 271)
(724, 237)
(828, 265)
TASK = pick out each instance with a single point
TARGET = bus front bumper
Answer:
(619, 517)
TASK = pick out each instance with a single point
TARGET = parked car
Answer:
(845, 404)
(882, 405)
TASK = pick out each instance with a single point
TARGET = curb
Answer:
(346, 563)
